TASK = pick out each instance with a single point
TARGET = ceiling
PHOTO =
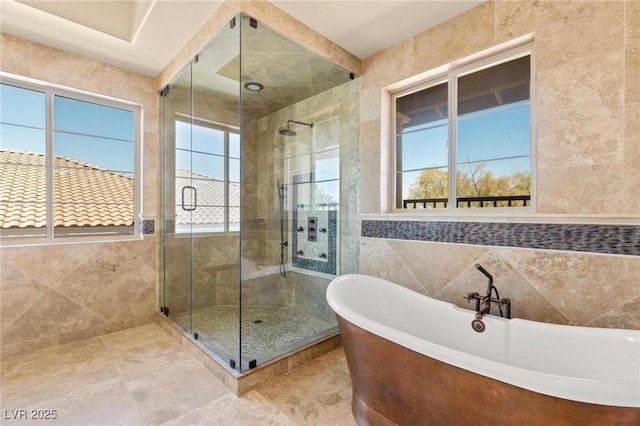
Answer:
(287, 71)
(144, 35)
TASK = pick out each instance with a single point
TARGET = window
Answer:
(207, 182)
(312, 166)
(67, 163)
(465, 136)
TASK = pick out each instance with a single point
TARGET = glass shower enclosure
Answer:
(260, 138)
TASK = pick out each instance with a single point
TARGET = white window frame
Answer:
(51, 90)
(227, 129)
(450, 74)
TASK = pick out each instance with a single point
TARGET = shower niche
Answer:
(260, 139)
(315, 230)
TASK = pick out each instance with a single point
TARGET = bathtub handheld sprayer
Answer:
(486, 301)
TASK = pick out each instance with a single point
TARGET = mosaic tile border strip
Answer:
(147, 226)
(608, 239)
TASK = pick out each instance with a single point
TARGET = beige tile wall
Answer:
(587, 126)
(55, 294)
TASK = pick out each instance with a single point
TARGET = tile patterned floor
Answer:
(141, 376)
(279, 331)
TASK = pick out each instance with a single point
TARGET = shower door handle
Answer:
(195, 199)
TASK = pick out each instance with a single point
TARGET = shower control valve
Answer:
(300, 229)
(323, 230)
(312, 223)
(323, 255)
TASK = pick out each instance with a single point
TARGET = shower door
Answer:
(179, 201)
(202, 197)
(215, 175)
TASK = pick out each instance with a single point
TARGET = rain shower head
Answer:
(289, 132)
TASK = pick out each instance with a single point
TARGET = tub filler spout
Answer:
(483, 303)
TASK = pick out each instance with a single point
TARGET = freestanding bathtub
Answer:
(415, 360)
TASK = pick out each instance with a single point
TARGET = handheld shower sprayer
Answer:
(283, 243)
(280, 189)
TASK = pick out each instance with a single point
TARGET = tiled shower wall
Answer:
(587, 127)
(337, 109)
(61, 293)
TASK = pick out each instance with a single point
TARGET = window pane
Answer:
(234, 195)
(93, 168)
(498, 134)
(183, 219)
(493, 136)
(23, 194)
(88, 197)
(327, 165)
(425, 148)
(234, 219)
(19, 226)
(206, 139)
(18, 138)
(93, 165)
(202, 164)
(418, 110)
(183, 135)
(210, 192)
(183, 160)
(208, 219)
(208, 165)
(326, 195)
(509, 179)
(113, 155)
(22, 107)
(429, 186)
(234, 145)
(72, 115)
(23, 177)
(422, 134)
(234, 170)
(502, 84)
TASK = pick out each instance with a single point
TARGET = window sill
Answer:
(84, 240)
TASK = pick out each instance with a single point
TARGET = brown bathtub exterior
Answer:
(393, 385)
